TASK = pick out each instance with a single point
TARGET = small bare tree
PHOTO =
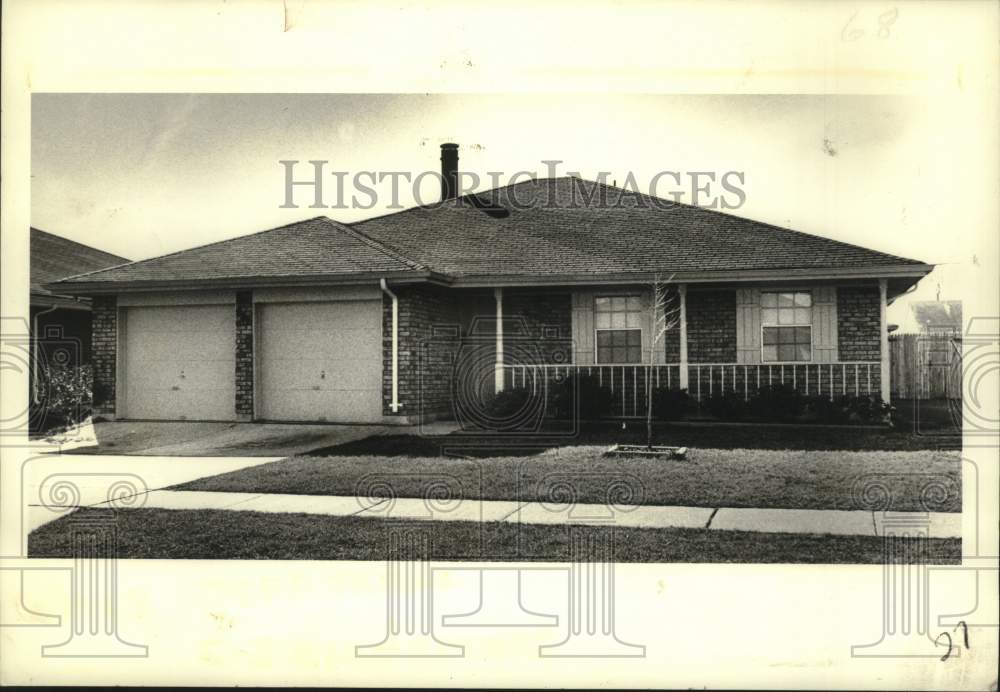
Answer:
(665, 315)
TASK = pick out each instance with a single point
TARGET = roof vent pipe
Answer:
(449, 171)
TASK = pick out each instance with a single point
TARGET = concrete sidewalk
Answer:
(805, 521)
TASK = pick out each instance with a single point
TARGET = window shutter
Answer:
(825, 324)
(583, 327)
(748, 325)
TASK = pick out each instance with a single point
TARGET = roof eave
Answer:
(84, 288)
(914, 271)
(49, 300)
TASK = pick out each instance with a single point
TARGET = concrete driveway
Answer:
(191, 439)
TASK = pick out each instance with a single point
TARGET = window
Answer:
(618, 322)
(786, 326)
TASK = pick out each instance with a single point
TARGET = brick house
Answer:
(424, 313)
(60, 323)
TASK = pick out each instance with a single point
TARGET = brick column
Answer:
(244, 355)
(104, 354)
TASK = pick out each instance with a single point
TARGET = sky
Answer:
(141, 175)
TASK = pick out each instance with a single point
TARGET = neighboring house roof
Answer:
(546, 229)
(938, 314)
(53, 257)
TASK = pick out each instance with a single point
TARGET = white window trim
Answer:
(812, 332)
(640, 329)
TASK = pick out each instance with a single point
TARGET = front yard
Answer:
(707, 478)
(789, 469)
(221, 535)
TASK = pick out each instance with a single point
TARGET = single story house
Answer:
(423, 313)
(60, 322)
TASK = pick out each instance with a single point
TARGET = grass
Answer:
(707, 478)
(218, 534)
(916, 431)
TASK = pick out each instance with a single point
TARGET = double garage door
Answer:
(315, 361)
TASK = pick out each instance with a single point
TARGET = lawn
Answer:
(707, 478)
(916, 431)
(215, 534)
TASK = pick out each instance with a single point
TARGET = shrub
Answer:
(595, 401)
(726, 406)
(66, 395)
(507, 403)
(511, 408)
(860, 410)
(670, 404)
(777, 402)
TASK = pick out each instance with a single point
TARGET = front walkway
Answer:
(804, 521)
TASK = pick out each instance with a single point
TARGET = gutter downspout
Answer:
(35, 355)
(394, 405)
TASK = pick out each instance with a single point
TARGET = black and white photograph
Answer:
(553, 384)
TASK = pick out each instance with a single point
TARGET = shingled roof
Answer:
(317, 247)
(544, 228)
(576, 226)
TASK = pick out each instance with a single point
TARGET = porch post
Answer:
(883, 341)
(498, 368)
(682, 293)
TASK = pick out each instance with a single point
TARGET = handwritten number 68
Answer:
(885, 21)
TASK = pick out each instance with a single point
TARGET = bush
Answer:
(595, 401)
(670, 404)
(504, 406)
(859, 410)
(778, 403)
(66, 396)
(726, 406)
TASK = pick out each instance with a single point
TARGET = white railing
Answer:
(628, 382)
(857, 378)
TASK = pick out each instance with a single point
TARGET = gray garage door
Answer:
(180, 363)
(320, 361)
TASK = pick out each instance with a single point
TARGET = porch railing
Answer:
(628, 382)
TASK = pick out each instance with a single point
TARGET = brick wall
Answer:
(244, 354)
(447, 344)
(858, 323)
(711, 330)
(104, 351)
(428, 340)
(538, 327)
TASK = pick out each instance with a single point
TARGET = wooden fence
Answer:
(925, 366)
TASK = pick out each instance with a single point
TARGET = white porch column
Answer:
(682, 293)
(498, 368)
(883, 340)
